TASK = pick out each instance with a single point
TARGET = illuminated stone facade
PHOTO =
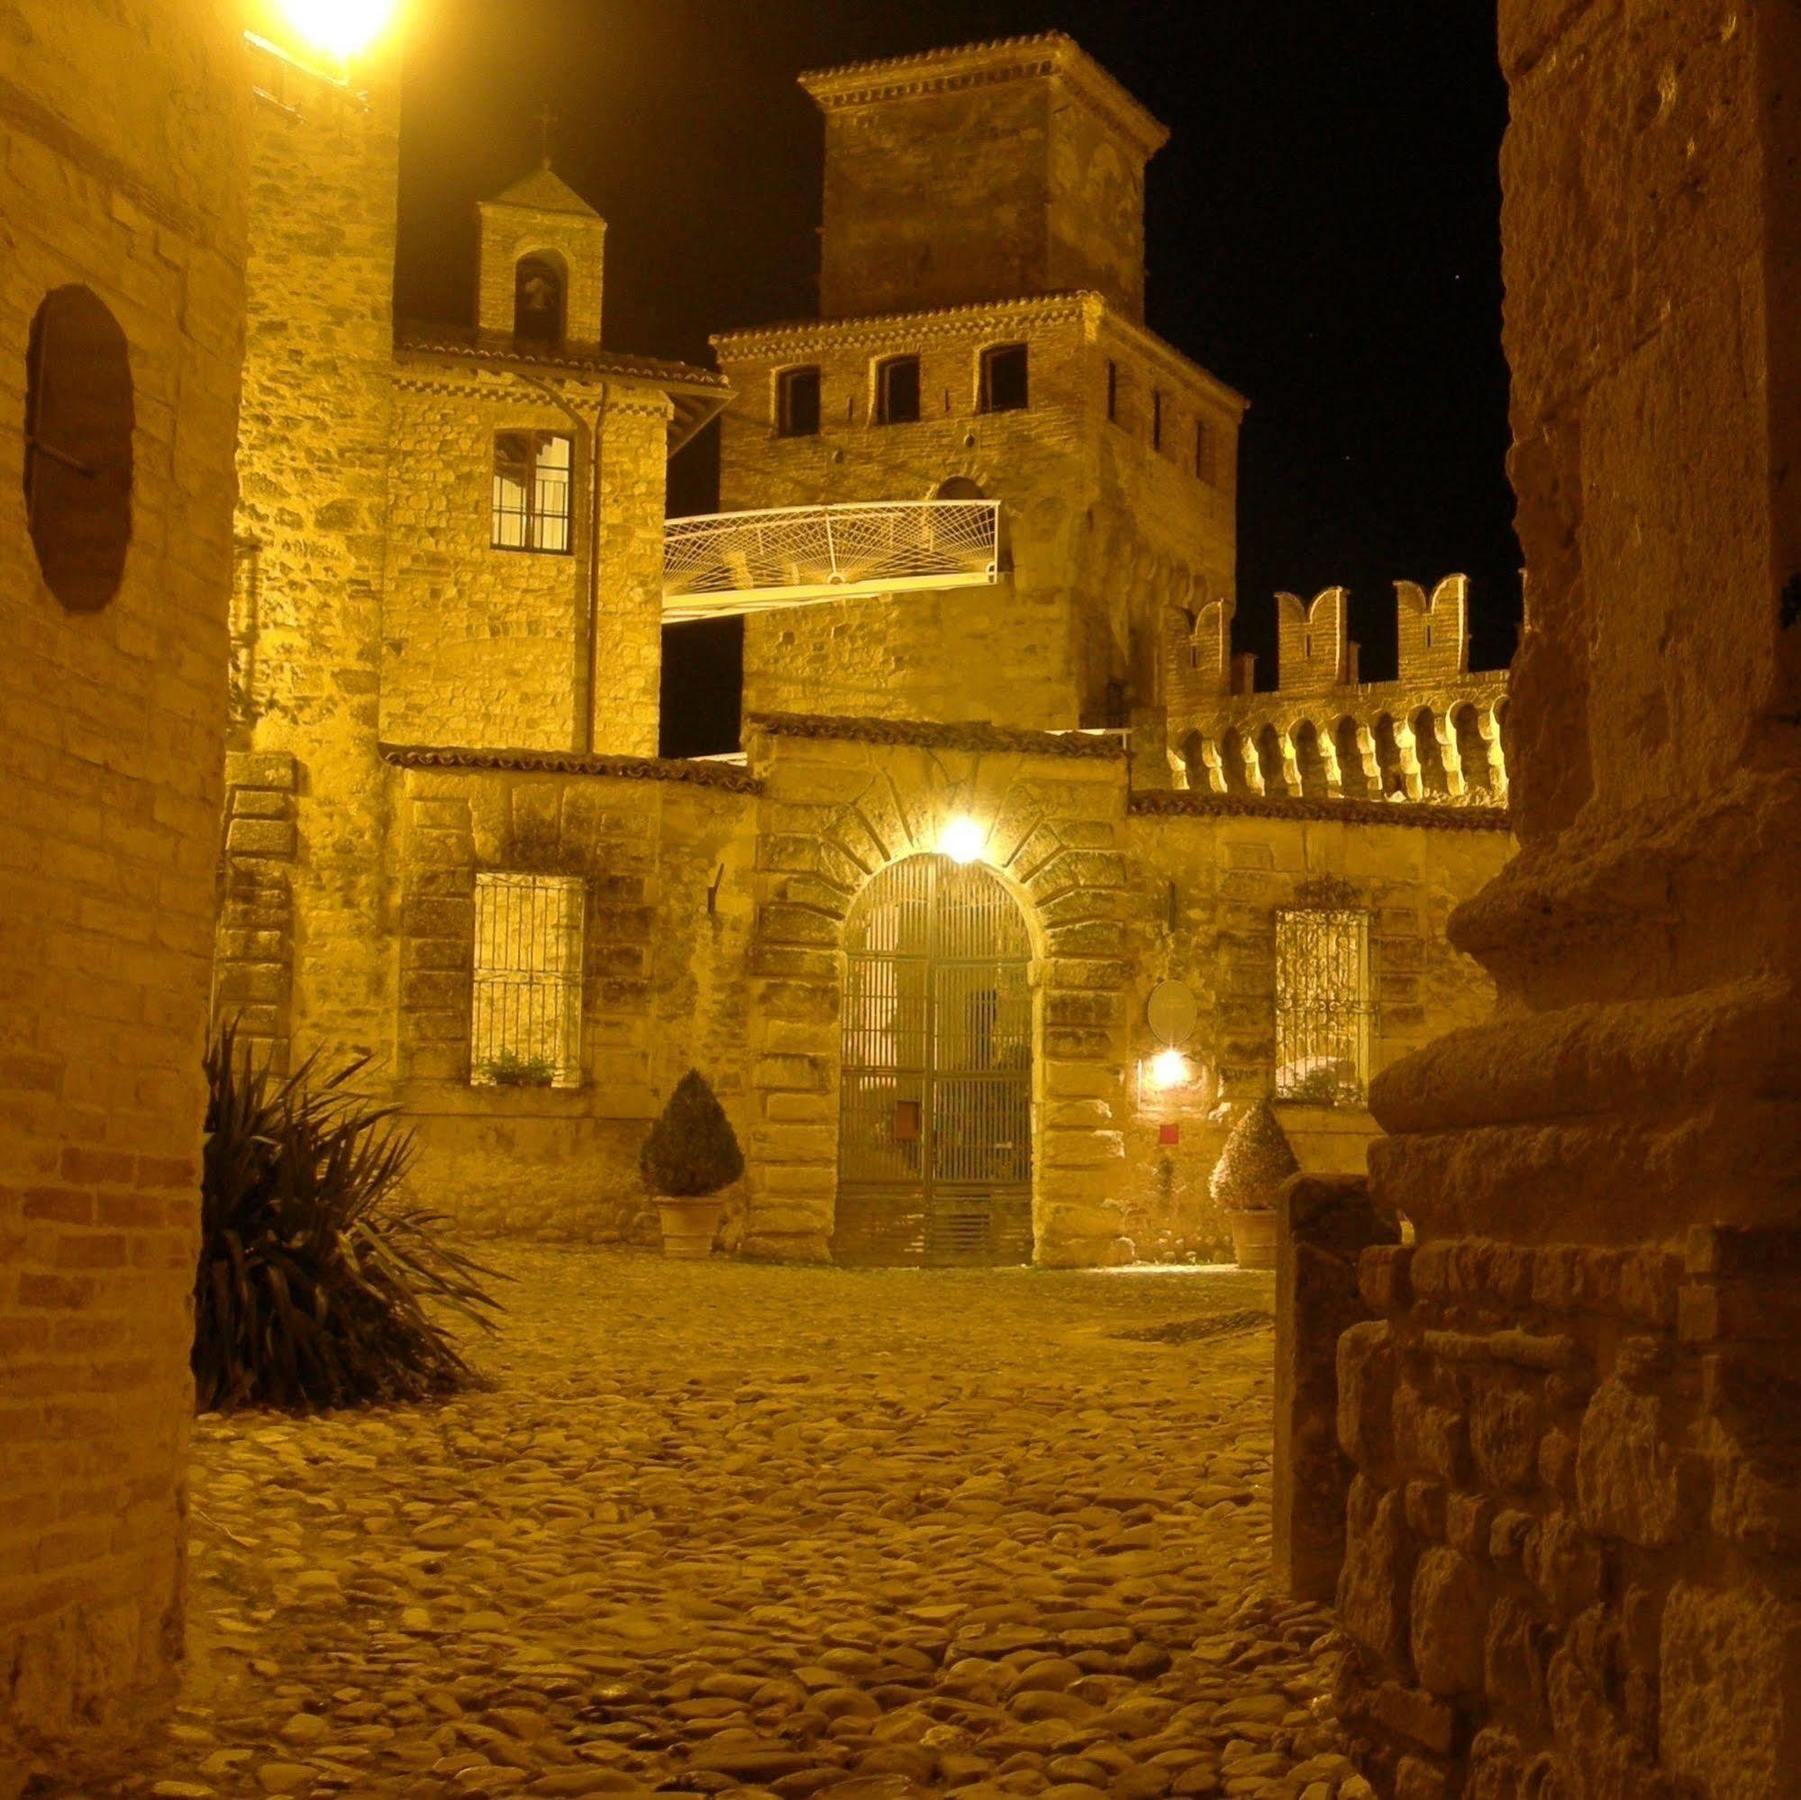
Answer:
(459, 707)
(122, 204)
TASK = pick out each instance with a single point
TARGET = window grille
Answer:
(797, 403)
(897, 390)
(525, 1026)
(1004, 379)
(532, 488)
(1322, 1005)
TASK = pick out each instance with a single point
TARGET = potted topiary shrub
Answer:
(1251, 1168)
(690, 1155)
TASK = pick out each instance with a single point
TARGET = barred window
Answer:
(532, 485)
(525, 1028)
(1322, 1005)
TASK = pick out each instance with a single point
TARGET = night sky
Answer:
(1322, 233)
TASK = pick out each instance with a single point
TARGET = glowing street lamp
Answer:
(345, 28)
(1169, 1069)
(962, 839)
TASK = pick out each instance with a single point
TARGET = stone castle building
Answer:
(980, 524)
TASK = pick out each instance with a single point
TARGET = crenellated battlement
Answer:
(1433, 733)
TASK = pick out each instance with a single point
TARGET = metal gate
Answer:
(935, 1111)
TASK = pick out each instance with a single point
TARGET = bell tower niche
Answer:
(543, 250)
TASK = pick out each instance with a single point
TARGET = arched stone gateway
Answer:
(935, 1082)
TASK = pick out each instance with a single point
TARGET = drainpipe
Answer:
(588, 437)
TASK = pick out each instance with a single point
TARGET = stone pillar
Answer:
(1572, 1561)
(1323, 1223)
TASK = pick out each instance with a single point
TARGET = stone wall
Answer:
(122, 172)
(487, 646)
(1573, 1564)
(1211, 875)
(312, 471)
(665, 853)
(253, 952)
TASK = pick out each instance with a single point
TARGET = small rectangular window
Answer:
(1004, 371)
(897, 391)
(533, 482)
(797, 403)
(1156, 418)
(1203, 453)
(1112, 392)
(1322, 1006)
(526, 1021)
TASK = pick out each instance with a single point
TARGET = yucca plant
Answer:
(317, 1280)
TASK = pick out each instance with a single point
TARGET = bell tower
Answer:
(543, 251)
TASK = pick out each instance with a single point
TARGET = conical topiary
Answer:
(1254, 1163)
(691, 1151)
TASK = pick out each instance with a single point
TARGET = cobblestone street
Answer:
(718, 1528)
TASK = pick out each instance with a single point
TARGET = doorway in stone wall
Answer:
(935, 1080)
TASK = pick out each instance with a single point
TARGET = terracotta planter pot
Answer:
(1254, 1239)
(689, 1226)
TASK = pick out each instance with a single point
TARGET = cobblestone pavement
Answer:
(720, 1529)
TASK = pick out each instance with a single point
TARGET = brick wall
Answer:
(123, 130)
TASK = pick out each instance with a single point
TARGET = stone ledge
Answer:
(1344, 812)
(571, 762)
(923, 735)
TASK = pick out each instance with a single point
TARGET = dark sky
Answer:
(1322, 231)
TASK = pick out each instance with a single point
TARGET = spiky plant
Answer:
(692, 1150)
(317, 1282)
(1255, 1162)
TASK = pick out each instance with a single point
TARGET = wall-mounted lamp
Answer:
(1169, 1069)
(962, 839)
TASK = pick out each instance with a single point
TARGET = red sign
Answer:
(1169, 1132)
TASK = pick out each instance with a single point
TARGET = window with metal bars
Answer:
(1322, 1005)
(533, 473)
(526, 1018)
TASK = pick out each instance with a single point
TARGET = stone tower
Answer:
(543, 251)
(982, 283)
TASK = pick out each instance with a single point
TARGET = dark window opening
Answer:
(702, 687)
(797, 403)
(79, 415)
(538, 300)
(1156, 418)
(533, 482)
(897, 391)
(1004, 387)
(1112, 392)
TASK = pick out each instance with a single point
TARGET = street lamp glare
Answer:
(343, 27)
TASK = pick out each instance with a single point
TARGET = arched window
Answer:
(79, 414)
(538, 299)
